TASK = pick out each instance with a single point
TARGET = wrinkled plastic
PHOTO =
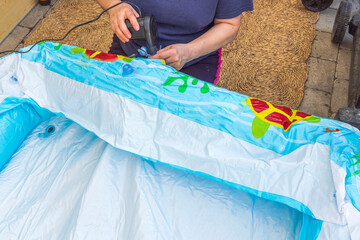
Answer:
(72, 185)
(109, 147)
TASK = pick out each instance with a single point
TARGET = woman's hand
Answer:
(223, 32)
(176, 55)
(118, 15)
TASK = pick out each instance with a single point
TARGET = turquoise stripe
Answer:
(344, 148)
(220, 109)
(310, 229)
(270, 196)
(17, 118)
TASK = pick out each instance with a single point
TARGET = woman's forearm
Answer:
(222, 33)
(107, 3)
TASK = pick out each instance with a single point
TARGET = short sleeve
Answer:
(232, 8)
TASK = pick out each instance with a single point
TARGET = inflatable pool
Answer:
(100, 146)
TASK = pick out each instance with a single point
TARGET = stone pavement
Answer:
(326, 88)
(15, 39)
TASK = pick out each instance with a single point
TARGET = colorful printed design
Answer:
(357, 158)
(97, 55)
(267, 114)
(101, 56)
(327, 130)
(58, 47)
(55, 47)
(182, 88)
(225, 112)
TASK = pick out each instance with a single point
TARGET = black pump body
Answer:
(147, 32)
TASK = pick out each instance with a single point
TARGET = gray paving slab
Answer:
(32, 30)
(343, 64)
(34, 16)
(333, 116)
(53, 2)
(323, 47)
(21, 45)
(339, 95)
(326, 20)
(335, 4)
(321, 74)
(355, 5)
(14, 38)
(316, 102)
(347, 42)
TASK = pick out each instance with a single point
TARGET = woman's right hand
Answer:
(118, 15)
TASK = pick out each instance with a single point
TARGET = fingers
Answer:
(175, 65)
(170, 56)
(133, 21)
(166, 53)
(117, 21)
(125, 31)
(136, 13)
(117, 31)
(172, 60)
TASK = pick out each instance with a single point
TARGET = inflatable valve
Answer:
(127, 69)
(147, 32)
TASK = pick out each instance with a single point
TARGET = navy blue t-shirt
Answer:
(181, 21)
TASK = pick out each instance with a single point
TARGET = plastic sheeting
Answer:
(98, 146)
(91, 190)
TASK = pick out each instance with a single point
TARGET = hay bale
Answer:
(69, 13)
(267, 60)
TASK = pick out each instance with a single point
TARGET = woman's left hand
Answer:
(176, 55)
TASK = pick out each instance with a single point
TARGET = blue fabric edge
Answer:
(310, 228)
(45, 114)
(25, 115)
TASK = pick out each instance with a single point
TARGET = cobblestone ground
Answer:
(326, 88)
(15, 39)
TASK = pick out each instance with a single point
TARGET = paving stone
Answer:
(34, 16)
(335, 4)
(32, 30)
(21, 45)
(333, 115)
(321, 74)
(53, 2)
(347, 42)
(343, 64)
(339, 98)
(316, 102)
(326, 20)
(14, 38)
(323, 48)
(355, 5)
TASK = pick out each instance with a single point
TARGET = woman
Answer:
(190, 32)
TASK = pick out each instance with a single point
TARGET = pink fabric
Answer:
(219, 66)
